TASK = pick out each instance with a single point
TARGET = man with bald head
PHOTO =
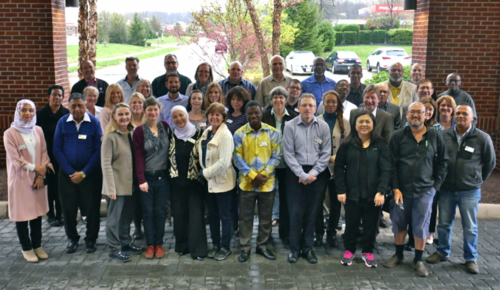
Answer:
(89, 79)
(277, 78)
(417, 73)
(401, 93)
(318, 84)
(235, 79)
(454, 82)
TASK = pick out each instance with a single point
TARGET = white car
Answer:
(385, 56)
(300, 62)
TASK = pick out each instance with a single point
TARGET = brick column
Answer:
(33, 52)
(463, 37)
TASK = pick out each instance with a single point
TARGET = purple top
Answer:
(234, 123)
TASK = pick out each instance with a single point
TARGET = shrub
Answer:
(379, 36)
(350, 37)
(365, 37)
(339, 27)
(386, 23)
(148, 43)
(326, 29)
(338, 38)
(351, 27)
(286, 49)
(400, 36)
(383, 76)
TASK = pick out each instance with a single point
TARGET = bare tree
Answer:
(87, 28)
(260, 38)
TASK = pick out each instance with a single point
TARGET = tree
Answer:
(264, 62)
(288, 29)
(117, 29)
(155, 25)
(326, 29)
(137, 32)
(307, 17)
(148, 30)
(103, 27)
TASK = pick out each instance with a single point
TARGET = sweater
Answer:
(101, 85)
(117, 164)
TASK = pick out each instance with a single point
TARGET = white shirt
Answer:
(86, 118)
(374, 112)
(348, 107)
(30, 141)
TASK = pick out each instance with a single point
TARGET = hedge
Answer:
(351, 27)
(365, 37)
(339, 27)
(379, 36)
(338, 38)
(400, 36)
(350, 37)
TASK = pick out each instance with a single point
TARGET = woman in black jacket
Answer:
(362, 174)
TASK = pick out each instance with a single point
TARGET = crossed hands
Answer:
(310, 179)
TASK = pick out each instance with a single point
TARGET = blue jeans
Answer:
(219, 211)
(467, 202)
(154, 206)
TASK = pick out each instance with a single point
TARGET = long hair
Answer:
(108, 95)
(143, 99)
(432, 119)
(189, 107)
(113, 125)
(340, 111)
(149, 84)
(240, 93)
(353, 137)
(206, 99)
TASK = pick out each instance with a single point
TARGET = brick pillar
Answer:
(463, 37)
(33, 52)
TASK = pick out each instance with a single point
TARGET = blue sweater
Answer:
(76, 154)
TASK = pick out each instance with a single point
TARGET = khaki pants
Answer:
(265, 201)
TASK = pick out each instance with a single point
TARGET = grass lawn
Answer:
(166, 40)
(110, 50)
(363, 51)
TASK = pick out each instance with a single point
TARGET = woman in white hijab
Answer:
(27, 163)
(186, 187)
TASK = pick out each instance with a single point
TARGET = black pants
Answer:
(303, 206)
(235, 203)
(188, 208)
(284, 225)
(24, 234)
(335, 208)
(366, 211)
(87, 196)
(136, 195)
(52, 180)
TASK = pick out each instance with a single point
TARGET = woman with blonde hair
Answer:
(446, 109)
(144, 87)
(213, 94)
(136, 104)
(91, 95)
(114, 95)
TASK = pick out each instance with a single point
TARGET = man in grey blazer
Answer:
(386, 106)
(401, 93)
(384, 126)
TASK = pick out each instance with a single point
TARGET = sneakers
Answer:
(347, 259)
(471, 267)
(159, 252)
(369, 260)
(212, 252)
(222, 254)
(120, 256)
(150, 252)
(430, 239)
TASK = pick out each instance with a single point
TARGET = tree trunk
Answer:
(92, 24)
(83, 30)
(278, 9)
(260, 39)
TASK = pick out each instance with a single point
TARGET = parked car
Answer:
(382, 57)
(300, 62)
(342, 61)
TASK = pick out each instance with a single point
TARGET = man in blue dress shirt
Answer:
(318, 84)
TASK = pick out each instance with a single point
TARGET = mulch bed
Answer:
(489, 191)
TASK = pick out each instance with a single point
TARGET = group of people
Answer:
(229, 147)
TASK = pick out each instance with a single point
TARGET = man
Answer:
(277, 78)
(171, 65)
(342, 88)
(47, 118)
(89, 79)
(386, 106)
(384, 126)
(356, 90)
(307, 150)
(131, 80)
(472, 159)
(235, 79)
(256, 154)
(294, 90)
(401, 93)
(77, 148)
(454, 82)
(172, 98)
(417, 73)
(419, 160)
(318, 84)
(424, 89)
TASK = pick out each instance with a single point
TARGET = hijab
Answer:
(189, 129)
(20, 125)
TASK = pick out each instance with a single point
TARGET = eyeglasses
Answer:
(295, 88)
(356, 73)
(416, 112)
(454, 81)
(170, 62)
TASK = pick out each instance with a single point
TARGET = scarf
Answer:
(203, 89)
(188, 130)
(19, 124)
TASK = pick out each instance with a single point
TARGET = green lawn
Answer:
(363, 51)
(108, 50)
(166, 40)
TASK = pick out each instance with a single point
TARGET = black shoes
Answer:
(293, 257)
(409, 247)
(72, 247)
(266, 253)
(53, 222)
(133, 249)
(91, 248)
(319, 241)
(285, 241)
(120, 256)
(311, 257)
(332, 241)
(243, 257)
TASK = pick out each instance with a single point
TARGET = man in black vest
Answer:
(89, 79)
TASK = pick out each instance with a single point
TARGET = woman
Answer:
(213, 94)
(446, 109)
(236, 100)
(114, 95)
(187, 192)
(118, 175)
(203, 77)
(276, 117)
(91, 94)
(362, 174)
(27, 163)
(216, 148)
(151, 143)
(196, 111)
(144, 87)
(334, 117)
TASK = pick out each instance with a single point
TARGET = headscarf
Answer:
(19, 124)
(189, 130)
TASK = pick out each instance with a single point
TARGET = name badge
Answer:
(83, 137)
(469, 149)
(22, 147)
(229, 121)
(263, 144)
(191, 140)
(296, 109)
(203, 125)
(319, 141)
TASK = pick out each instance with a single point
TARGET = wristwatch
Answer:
(83, 174)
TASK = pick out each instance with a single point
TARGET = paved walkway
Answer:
(96, 271)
